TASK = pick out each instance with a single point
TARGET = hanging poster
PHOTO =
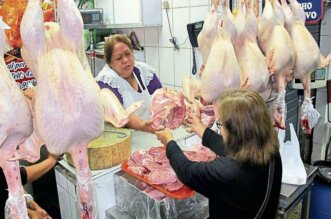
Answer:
(12, 12)
(314, 10)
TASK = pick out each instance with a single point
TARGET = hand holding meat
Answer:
(164, 136)
(194, 123)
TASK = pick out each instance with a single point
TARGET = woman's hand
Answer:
(164, 136)
(194, 123)
(36, 212)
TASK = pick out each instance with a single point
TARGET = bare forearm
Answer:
(138, 124)
(35, 171)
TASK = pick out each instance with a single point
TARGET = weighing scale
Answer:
(318, 79)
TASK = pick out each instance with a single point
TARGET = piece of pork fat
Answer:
(167, 109)
(222, 70)
(308, 59)
(70, 109)
(273, 37)
(208, 33)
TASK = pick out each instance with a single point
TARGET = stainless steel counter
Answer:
(291, 195)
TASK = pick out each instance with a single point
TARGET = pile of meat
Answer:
(154, 166)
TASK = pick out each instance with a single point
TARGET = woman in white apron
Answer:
(130, 80)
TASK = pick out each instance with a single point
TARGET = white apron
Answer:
(129, 95)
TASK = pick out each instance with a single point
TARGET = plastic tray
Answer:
(183, 193)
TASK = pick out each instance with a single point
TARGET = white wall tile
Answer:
(182, 65)
(151, 36)
(152, 58)
(198, 13)
(140, 33)
(167, 74)
(164, 32)
(179, 89)
(181, 18)
(199, 2)
(108, 11)
(170, 3)
(180, 3)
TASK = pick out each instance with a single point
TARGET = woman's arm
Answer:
(35, 171)
(141, 125)
(213, 141)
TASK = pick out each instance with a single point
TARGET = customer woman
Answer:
(129, 80)
(244, 180)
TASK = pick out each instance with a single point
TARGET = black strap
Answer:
(268, 192)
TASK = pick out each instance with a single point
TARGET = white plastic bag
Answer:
(293, 169)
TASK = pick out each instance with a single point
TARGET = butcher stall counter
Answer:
(103, 179)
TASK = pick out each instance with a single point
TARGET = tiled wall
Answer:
(171, 64)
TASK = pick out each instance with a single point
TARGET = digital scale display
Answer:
(92, 16)
(317, 78)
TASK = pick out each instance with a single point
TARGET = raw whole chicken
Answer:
(207, 35)
(70, 108)
(222, 70)
(253, 66)
(308, 59)
(15, 128)
(167, 109)
(273, 37)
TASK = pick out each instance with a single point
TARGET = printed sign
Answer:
(314, 10)
(20, 72)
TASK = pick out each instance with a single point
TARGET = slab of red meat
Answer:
(151, 165)
(159, 177)
(167, 109)
(174, 186)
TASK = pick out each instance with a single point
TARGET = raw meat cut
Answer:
(273, 37)
(253, 67)
(70, 109)
(222, 70)
(153, 165)
(15, 127)
(207, 35)
(308, 59)
(167, 109)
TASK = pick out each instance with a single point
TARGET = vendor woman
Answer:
(130, 80)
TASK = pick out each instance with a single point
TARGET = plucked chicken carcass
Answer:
(208, 33)
(167, 109)
(222, 70)
(70, 109)
(273, 37)
(253, 66)
(15, 128)
(308, 59)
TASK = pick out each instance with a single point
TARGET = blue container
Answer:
(320, 202)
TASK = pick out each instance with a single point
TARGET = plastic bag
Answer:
(293, 169)
(308, 116)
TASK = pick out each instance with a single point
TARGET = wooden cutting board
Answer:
(112, 148)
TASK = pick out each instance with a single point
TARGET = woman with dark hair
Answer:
(130, 80)
(244, 180)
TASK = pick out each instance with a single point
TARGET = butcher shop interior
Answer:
(165, 109)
